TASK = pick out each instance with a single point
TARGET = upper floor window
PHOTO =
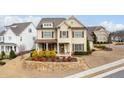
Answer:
(78, 34)
(30, 30)
(9, 38)
(63, 34)
(20, 38)
(47, 34)
(1, 38)
(47, 25)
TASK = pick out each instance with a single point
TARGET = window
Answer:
(30, 30)
(1, 38)
(20, 38)
(33, 38)
(9, 38)
(63, 34)
(78, 47)
(47, 34)
(78, 34)
(47, 25)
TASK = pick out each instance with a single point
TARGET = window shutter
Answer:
(67, 34)
(73, 34)
(42, 34)
(52, 34)
(82, 34)
(60, 34)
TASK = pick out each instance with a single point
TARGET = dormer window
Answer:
(30, 30)
(47, 25)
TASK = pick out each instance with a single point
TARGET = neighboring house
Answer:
(101, 34)
(18, 37)
(90, 39)
(117, 36)
(66, 36)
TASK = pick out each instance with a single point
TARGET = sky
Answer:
(110, 22)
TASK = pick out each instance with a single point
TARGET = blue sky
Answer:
(110, 22)
(92, 19)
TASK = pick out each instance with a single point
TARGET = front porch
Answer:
(62, 49)
(7, 47)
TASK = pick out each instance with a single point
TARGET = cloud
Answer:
(111, 26)
(8, 20)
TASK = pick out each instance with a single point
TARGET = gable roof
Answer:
(72, 17)
(2, 33)
(93, 28)
(55, 21)
(18, 28)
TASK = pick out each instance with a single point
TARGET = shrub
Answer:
(101, 46)
(34, 54)
(2, 54)
(52, 53)
(47, 53)
(2, 63)
(12, 54)
(41, 53)
(82, 53)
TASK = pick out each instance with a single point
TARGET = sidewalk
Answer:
(97, 69)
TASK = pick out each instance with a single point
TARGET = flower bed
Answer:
(49, 56)
(54, 59)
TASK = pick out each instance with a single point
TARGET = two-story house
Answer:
(63, 35)
(101, 34)
(18, 37)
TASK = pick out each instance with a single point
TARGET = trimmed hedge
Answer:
(2, 63)
(82, 53)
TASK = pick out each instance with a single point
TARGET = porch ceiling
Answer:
(46, 41)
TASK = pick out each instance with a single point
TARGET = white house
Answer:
(66, 36)
(18, 37)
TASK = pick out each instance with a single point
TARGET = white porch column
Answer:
(70, 49)
(37, 47)
(46, 46)
(57, 48)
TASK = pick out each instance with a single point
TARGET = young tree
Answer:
(94, 38)
(12, 54)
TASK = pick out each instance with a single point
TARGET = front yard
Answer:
(15, 67)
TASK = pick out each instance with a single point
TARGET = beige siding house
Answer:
(102, 35)
(66, 36)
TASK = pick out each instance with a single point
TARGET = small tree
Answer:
(88, 46)
(41, 53)
(35, 54)
(12, 54)
(3, 54)
(52, 53)
(94, 38)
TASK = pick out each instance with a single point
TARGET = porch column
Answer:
(46, 46)
(70, 49)
(57, 48)
(37, 47)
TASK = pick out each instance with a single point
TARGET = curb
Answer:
(97, 69)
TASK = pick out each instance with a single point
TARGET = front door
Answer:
(62, 48)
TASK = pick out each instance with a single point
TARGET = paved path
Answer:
(97, 69)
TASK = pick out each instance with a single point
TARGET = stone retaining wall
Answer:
(53, 66)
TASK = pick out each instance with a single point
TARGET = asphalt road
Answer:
(119, 74)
